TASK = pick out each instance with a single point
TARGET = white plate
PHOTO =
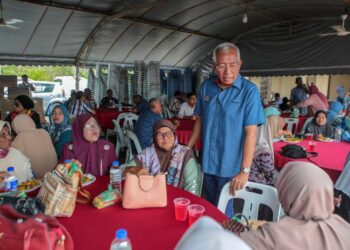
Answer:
(26, 191)
(92, 179)
(325, 139)
(285, 140)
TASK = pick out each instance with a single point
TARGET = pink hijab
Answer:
(314, 91)
(306, 195)
(95, 157)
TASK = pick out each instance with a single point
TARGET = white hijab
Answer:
(264, 138)
(207, 234)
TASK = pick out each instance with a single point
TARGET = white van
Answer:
(68, 83)
(48, 91)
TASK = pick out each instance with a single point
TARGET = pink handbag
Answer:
(144, 191)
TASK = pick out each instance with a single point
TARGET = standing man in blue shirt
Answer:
(229, 111)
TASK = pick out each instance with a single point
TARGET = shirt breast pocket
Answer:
(235, 111)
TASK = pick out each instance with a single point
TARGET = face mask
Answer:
(347, 122)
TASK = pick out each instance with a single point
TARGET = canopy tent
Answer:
(280, 36)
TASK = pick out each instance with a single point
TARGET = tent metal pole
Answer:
(77, 76)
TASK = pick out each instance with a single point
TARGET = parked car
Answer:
(48, 91)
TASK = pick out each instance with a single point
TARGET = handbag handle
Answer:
(146, 182)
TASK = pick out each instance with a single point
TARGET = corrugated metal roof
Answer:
(280, 34)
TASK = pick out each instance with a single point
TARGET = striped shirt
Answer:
(79, 108)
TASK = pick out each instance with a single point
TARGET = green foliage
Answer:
(39, 73)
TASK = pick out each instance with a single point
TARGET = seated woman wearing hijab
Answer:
(60, 131)
(96, 155)
(24, 105)
(34, 143)
(333, 114)
(10, 156)
(316, 101)
(276, 123)
(319, 126)
(306, 195)
(263, 169)
(167, 155)
(346, 126)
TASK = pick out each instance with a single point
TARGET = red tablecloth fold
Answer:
(105, 116)
(152, 228)
(331, 156)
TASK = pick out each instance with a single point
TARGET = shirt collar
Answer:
(237, 83)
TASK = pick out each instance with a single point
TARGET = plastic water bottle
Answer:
(121, 241)
(337, 134)
(115, 176)
(11, 181)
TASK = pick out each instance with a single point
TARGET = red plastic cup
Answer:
(194, 213)
(309, 137)
(181, 205)
(312, 145)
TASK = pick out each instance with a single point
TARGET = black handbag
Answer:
(296, 152)
(27, 205)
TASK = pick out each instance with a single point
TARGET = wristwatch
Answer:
(245, 170)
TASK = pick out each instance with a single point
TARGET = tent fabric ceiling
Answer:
(280, 36)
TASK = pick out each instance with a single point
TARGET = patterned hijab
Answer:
(56, 130)
(172, 161)
(306, 195)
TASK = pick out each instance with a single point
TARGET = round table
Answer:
(331, 156)
(149, 228)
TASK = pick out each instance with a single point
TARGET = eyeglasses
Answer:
(224, 67)
(167, 135)
(92, 126)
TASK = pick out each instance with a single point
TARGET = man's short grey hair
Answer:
(225, 47)
(153, 101)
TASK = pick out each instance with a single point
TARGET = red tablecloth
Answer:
(152, 228)
(331, 156)
(302, 120)
(105, 116)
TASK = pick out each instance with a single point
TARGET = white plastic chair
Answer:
(290, 124)
(308, 120)
(128, 120)
(131, 139)
(128, 123)
(120, 140)
(252, 200)
(166, 113)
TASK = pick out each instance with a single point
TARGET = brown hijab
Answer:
(164, 156)
(157, 159)
(306, 195)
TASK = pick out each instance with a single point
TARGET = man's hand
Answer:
(238, 182)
